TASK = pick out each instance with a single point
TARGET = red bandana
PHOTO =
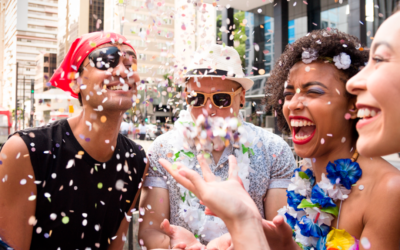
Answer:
(80, 49)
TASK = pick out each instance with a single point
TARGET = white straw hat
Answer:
(218, 61)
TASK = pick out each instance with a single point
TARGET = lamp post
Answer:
(16, 98)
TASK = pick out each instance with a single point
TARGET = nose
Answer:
(210, 108)
(121, 70)
(296, 103)
(357, 83)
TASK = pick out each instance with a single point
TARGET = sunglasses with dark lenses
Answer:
(219, 99)
(108, 57)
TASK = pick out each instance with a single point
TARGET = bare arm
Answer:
(274, 200)
(15, 208)
(151, 233)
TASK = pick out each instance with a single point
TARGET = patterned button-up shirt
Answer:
(271, 166)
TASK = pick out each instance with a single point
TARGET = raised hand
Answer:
(223, 242)
(180, 238)
(227, 199)
(279, 234)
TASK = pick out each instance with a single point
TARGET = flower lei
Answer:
(204, 135)
(311, 207)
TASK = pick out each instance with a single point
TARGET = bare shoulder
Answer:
(17, 192)
(386, 187)
(16, 170)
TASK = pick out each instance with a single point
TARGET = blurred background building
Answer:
(165, 34)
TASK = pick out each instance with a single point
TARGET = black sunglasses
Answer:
(108, 57)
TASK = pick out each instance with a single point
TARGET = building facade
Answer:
(270, 25)
(30, 29)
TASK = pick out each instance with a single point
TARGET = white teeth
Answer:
(365, 112)
(298, 137)
(300, 123)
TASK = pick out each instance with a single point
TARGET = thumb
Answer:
(166, 227)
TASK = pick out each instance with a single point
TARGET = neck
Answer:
(103, 135)
(341, 152)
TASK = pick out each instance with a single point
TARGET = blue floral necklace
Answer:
(311, 206)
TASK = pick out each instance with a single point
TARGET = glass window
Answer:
(46, 69)
(334, 14)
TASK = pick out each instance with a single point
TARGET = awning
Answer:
(53, 94)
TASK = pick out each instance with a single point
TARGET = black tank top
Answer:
(80, 202)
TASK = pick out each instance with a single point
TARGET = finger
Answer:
(278, 220)
(180, 245)
(230, 247)
(199, 186)
(233, 168)
(166, 227)
(207, 173)
(173, 171)
(208, 211)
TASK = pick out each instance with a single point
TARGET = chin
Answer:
(376, 147)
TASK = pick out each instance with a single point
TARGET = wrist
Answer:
(248, 233)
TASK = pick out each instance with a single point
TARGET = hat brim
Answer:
(245, 82)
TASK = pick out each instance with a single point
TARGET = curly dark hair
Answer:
(328, 43)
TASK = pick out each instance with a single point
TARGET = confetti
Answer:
(53, 216)
(343, 139)
(365, 243)
(22, 182)
(361, 187)
(322, 141)
(347, 116)
(65, 219)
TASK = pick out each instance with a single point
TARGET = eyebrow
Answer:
(384, 43)
(306, 85)
(130, 53)
(289, 87)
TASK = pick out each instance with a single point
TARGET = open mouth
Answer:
(303, 129)
(117, 86)
(366, 115)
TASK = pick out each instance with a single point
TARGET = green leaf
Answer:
(183, 197)
(177, 155)
(331, 210)
(244, 149)
(303, 175)
(196, 236)
(305, 203)
(190, 154)
(251, 150)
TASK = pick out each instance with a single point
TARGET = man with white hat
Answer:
(216, 77)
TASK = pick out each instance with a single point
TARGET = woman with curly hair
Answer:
(338, 199)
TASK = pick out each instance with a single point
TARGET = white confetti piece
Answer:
(53, 216)
(22, 182)
(70, 163)
(119, 185)
(119, 167)
(365, 243)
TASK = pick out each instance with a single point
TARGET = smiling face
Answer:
(216, 85)
(377, 88)
(112, 88)
(315, 107)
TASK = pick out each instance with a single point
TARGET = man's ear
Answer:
(351, 107)
(74, 86)
(243, 97)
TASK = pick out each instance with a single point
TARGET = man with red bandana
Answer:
(72, 184)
